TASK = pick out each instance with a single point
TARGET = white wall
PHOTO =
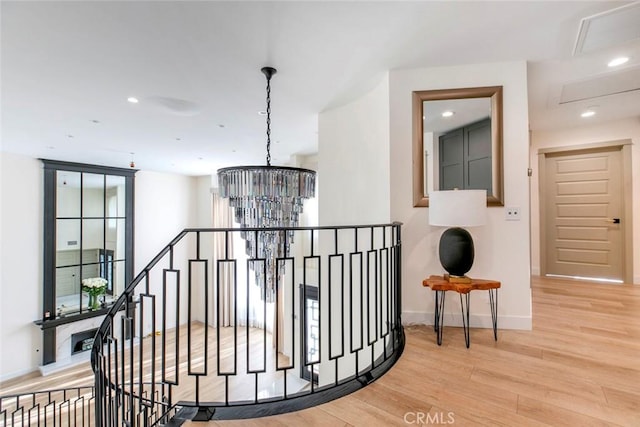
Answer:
(353, 161)
(204, 206)
(611, 131)
(502, 248)
(165, 204)
(354, 174)
(21, 204)
(203, 219)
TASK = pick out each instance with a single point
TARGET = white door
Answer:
(584, 209)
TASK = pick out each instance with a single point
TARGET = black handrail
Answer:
(356, 270)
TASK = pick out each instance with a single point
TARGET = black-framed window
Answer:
(88, 232)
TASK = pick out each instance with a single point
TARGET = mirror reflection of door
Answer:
(90, 237)
(310, 369)
(457, 144)
(106, 268)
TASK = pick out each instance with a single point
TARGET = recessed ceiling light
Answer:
(69, 136)
(262, 113)
(178, 139)
(588, 113)
(447, 113)
(220, 125)
(132, 100)
(95, 121)
(618, 61)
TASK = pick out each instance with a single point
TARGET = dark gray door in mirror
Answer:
(464, 158)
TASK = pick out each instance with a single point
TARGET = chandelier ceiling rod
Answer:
(268, 72)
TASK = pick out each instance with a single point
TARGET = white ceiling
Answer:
(68, 68)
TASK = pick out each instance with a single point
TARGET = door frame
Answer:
(627, 226)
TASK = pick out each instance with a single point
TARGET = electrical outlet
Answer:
(512, 214)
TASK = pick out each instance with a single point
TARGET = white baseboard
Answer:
(417, 318)
(535, 271)
(476, 321)
(68, 362)
(12, 375)
(75, 359)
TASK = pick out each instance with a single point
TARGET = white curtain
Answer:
(223, 308)
(252, 311)
(233, 296)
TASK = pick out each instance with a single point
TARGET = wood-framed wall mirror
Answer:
(457, 142)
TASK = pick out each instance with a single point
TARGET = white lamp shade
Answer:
(458, 208)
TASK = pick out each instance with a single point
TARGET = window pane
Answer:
(92, 195)
(118, 278)
(90, 267)
(67, 281)
(92, 234)
(67, 194)
(67, 239)
(115, 196)
(116, 237)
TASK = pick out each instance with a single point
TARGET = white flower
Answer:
(94, 286)
(94, 282)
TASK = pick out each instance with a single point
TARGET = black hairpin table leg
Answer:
(493, 302)
(439, 315)
(435, 313)
(464, 304)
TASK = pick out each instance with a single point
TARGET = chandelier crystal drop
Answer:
(270, 198)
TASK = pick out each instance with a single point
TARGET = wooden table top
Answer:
(439, 283)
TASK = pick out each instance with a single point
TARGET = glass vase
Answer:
(94, 304)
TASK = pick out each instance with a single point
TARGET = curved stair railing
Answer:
(187, 339)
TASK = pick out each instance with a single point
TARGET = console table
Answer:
(440, 285)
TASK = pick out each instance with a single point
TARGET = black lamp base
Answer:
(456, 252)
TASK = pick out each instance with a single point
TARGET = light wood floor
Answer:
(579, 366)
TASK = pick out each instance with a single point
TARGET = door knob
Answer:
(613, 220)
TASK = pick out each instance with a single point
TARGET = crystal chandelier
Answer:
(268, 197)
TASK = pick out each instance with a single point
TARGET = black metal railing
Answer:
(198, 334)
(64, 407)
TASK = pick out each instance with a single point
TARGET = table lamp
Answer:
(457, 209)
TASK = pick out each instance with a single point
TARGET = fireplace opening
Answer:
(82, 341)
